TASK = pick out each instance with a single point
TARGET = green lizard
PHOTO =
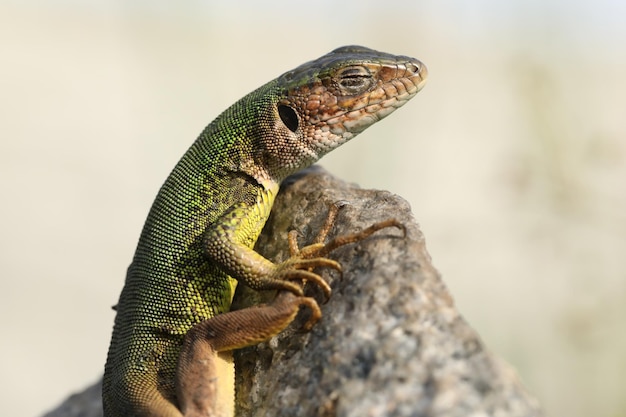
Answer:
(170, 349)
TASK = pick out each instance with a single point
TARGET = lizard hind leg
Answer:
(198, 376)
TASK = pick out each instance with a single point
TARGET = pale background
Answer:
(513, 158)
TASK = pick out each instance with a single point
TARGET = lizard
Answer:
(171, 349)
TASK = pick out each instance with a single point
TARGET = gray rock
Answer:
(390, 342)
(87, 403)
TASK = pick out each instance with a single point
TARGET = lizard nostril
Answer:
(413, 68)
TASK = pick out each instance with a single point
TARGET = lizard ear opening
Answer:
(289, 117)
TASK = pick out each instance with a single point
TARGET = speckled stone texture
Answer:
(390, 342)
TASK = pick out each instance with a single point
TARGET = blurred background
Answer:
(513, 158)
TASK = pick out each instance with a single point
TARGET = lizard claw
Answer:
(298, 269)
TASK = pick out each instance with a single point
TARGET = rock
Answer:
(87, 403)
(390, 342)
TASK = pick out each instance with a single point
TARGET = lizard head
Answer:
(324, 103)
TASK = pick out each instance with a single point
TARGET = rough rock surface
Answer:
(390, 342)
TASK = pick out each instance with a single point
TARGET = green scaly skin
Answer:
(198, 238)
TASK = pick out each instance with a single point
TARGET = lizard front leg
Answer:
(198, 381)
(202, 381)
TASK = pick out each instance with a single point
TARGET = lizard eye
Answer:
(355, 80)
(289, 117)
